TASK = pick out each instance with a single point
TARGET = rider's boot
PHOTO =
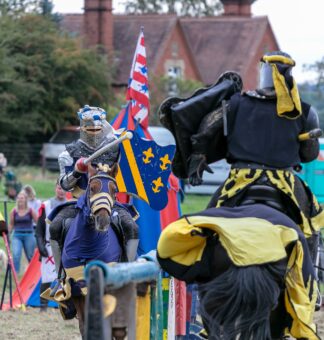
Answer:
(57, 254)
(56, 249)
(131, 249)
(58, 229)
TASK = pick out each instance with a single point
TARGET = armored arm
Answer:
(209, 138)
(68, 179)
(309, 149)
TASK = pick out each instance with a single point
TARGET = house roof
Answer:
(217, 43)
(72, 23)
(126, 29)
(223, 43)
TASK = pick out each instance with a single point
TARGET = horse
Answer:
(91, 235)
(244, 286)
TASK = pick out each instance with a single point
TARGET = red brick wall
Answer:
(176, 52)
(237, 9)
(268, 43)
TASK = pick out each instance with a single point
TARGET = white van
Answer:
(56, 145)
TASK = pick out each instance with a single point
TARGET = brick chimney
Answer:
(237, 7)
(98, 24)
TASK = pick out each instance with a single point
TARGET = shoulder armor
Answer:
(64, 160)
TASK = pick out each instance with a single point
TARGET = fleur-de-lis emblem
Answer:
(157, 184)
(165, 161)
(148, 154)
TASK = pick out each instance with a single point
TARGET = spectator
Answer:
(12, 185)
(48, 272)
(3, 164)
(33, 202)
(21, 221)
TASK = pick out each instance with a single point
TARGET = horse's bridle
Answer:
(101, 200)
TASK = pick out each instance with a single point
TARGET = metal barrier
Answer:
(113, 301)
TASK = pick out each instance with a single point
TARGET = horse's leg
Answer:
(79, 303)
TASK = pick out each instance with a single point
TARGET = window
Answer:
(175, 72)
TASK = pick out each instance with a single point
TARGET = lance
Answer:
(313, 134)
(127, 135)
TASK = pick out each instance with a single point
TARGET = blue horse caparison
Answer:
(83, 242)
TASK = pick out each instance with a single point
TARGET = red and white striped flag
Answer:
(137, 92)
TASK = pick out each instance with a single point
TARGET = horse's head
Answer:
(101, 194)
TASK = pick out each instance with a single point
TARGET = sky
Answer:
(298, 26)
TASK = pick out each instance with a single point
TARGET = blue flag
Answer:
(144, 169)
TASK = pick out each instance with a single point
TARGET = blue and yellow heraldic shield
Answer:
(144, 169)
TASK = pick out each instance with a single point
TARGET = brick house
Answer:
(193, 48)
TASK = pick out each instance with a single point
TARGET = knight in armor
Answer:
(95, 132)
(258, 133)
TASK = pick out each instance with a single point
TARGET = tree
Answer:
(182, 8)
(159, 90)
(318, 68)
(314, 93)
(18, 7)
(45, 77)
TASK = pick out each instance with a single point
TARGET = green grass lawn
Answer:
(194, 203)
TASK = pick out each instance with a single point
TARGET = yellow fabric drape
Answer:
(287, 100)
(248, 241)
(245, 239)
(283, 180)
(297, 300)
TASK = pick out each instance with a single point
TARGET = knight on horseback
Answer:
(257, 132)
(95, 133)
(264, 134)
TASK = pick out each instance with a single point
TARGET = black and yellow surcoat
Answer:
(283, 180)
(256, 133)
(251, 235)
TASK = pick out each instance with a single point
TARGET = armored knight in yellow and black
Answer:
(264, 135)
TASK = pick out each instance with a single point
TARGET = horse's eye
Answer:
(95, 186)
